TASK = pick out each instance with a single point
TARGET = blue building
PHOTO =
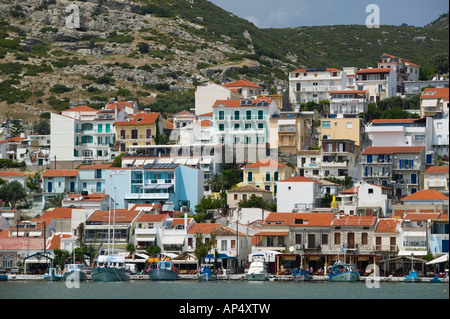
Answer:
(155, 183)
(58, 181)
(92, 178)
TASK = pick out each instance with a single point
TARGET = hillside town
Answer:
(302, 174)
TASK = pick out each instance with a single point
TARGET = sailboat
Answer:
(110, 267)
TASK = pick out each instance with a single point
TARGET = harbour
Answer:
(232, 288)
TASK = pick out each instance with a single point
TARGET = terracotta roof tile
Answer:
(309, 219)
(300, 179)
(437, 169)
(388, 225)
(237, 103)
(60, 173)
(378, 150)
(140, 119)
(426, 194)
(203, 228)
(421, 216)
(96, 166)
(265, 163)
(433, 93)
(81, 108)
(354, 221)
(374, 70)
(248, 189)
(122, 216)
(241, 83)
(152, 217)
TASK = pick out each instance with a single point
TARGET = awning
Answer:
(441, 259)
(150, 186)
(192, 161)
(210, 258)
(173, 240)
(139, 162)
(286, 122)
(181, 161)
(165, 160)
(409, 253)
(206, 161)
(164, 186)
(271, 234)
(429, 102)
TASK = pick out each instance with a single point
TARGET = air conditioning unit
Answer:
(298, 247)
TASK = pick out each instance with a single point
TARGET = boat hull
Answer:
(52, 278)
(346, 276)
(257, 277)
(413, 280)
(109, 274)
(206, 277)
(162, 274)
(302, 278)
(76, 275)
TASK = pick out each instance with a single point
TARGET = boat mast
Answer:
(114, 221)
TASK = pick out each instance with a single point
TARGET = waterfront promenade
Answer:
(234, 277)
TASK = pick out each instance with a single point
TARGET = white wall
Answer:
(291, 193)
(62, 130)
(206, 96)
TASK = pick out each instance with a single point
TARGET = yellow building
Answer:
(139, 131)
(265, 173)
(342, 128)
(289, 135)
(436, 178)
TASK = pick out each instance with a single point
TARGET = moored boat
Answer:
(257, 270)
(74, 271)
(52, 275)
(412, 276)
(163, 270)
(207, 273)
(110, 268)
(301, 274)
(343, 272)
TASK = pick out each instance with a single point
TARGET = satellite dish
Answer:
(291, 249)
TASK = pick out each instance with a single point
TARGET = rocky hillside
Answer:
(158, 50)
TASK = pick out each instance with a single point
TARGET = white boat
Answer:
(110, 268)
(258, 269)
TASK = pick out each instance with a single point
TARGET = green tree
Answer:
(130, 248)
(12, 193)
(209, 202)
(153, 250)
(256, 202)
(215, 182)
(61, 256)
(202, 247)
(55, 201)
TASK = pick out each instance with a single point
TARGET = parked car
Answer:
(2, 271)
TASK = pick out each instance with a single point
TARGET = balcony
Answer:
(147, 196)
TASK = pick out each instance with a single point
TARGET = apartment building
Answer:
(348, 103)
(405, 70)
(315, 84)
(82, 133)
(289, 135)
(265, 174)
(139, 131)
(398, 167)
(339, 157)
(297, 193)
(56, 182)
(434, 102)
(92, 178)
(342, 128)
(206, 95)
(247, 89)
(309, 163)
(436, 178)
(380, 83)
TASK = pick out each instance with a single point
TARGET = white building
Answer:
(297, 193)
(315, 84)
(206, 95)
(381, 83)
(348, 103)
(405, 70)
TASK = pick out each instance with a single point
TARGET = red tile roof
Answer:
(354, 221)
(426, 194)
(309, 219)
(306, 70)
(122, 216)
(300, 179)
(203, 228)
(378, 150)
(388, 225)
(241, 83)
(394, 120)
(60, 173)
(349, 91)
(437, 169)
(248, 189)
(21, 243)
(152, 217)
(421, 216)
(270, 163)
(12, 174)
(140, 119)
(435, 93)
(237, 103)
(81, 108)
(374, 70)
(96, 166)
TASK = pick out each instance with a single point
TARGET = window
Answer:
(236, 126)
(235, 196)
(349, 125)
(100, 128)
(250, 176)
(267, 176)
(236, 115)
(298, 239)
(221, 115)
(326, 124)
(233, 244)
(270, 241)
(223, 245)
(107, 128)
(222, 127)
(419, 137)
(122, 133)
(324, 239)
(260, 114)
(364, 240)
(134, 134)
(249, 115)
(337, 238)
(248, 126)
(370, 191)
(260, 125)
(148, 133)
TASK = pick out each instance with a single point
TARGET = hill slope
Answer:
(148, 48)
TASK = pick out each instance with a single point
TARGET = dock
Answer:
(233, 277)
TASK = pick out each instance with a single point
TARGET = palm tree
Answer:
(215, 182)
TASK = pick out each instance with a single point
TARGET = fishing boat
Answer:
(75, 271)
(52, 275)
(207, 273)
(343, 272)
(436, 280)
(301, 274)
(163, 270)
(257, 270)
(412, 276)
(110, 268)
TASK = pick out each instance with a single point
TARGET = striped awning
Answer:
(271, 234)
